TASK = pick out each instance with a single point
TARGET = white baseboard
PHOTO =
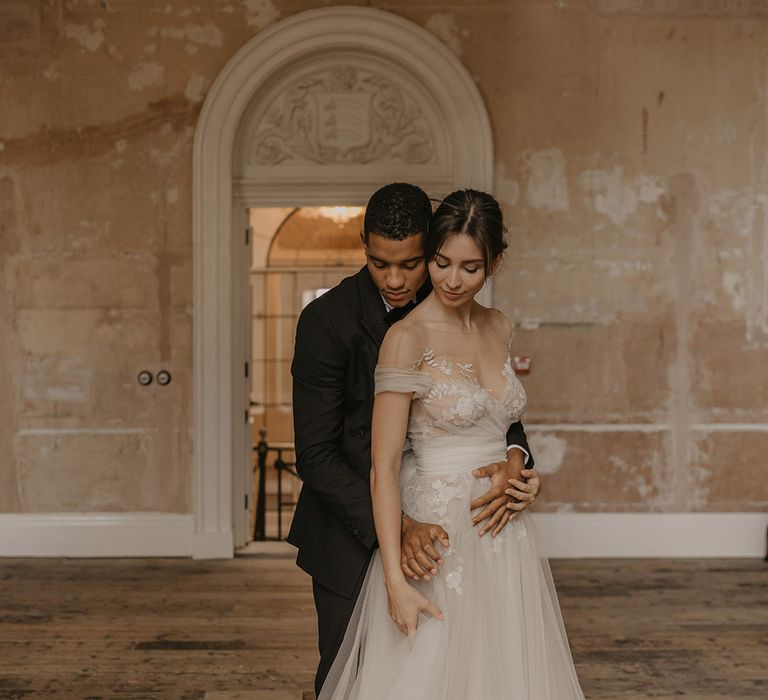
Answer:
(582, 535)
(96, 535)
(562, 535)
(213, 545)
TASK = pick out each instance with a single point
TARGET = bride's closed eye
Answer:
(442, 266)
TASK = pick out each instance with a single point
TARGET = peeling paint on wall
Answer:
(187, 11)
(115, 53)
(443, 26)
(52, 71)
(260, 13)
(634, 478)
(53, 378)
(145, 75)
(89, 39)
(202, 35)
(194, 91)
(733, 284)
(742, 218)
(698, 474)
(549, 450)
(612, 195)
(506, 189)
(619, 268)
(547, 186)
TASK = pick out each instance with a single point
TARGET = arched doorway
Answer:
(318, 110)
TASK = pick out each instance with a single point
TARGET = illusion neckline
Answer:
(468, 373)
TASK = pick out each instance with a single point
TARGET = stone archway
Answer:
(321, 108)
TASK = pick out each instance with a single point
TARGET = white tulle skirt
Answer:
(502, 635)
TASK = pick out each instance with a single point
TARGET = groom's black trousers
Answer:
(333, 613)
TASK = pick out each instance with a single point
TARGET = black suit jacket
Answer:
(337, 345)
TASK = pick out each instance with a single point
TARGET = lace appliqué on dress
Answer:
(453, 579)
(471, 403)
(442, 491)
(444, 365)
(514, 398)
(434, 497)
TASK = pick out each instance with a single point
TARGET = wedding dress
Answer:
(502, 635)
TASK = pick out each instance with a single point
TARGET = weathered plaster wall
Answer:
(631, 156)
(631, 159)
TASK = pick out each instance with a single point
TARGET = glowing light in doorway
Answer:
(340, 215)
(310, 295)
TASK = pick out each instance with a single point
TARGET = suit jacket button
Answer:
(359, 434)
(355, 532)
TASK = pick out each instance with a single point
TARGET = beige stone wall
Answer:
(630, 157)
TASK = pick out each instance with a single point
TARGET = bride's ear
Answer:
(495, 266)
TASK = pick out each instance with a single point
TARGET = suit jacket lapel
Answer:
(373, 310)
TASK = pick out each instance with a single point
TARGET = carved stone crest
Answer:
(343, 119)
(342, 115)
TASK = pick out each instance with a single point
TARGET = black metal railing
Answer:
(262, 450)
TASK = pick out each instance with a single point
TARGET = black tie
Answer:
(399, 312)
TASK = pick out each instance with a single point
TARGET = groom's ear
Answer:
(362, 239)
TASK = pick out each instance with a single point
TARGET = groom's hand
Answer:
(418, 556)
(500, 503)
(523, 491)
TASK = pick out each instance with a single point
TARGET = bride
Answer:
(488, 625)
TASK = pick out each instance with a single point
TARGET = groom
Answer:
(337, 344)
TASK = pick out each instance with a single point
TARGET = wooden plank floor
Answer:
(161, 629)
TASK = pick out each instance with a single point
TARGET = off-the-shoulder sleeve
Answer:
(399, 359)
(401, 380)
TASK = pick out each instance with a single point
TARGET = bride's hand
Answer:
(405, 604)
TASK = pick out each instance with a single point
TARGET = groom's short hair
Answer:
(397, 211)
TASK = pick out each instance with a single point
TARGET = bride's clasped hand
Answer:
(406, 603)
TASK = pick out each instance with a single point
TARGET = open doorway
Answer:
(297, 254)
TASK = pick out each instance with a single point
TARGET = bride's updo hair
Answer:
(475, 214)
